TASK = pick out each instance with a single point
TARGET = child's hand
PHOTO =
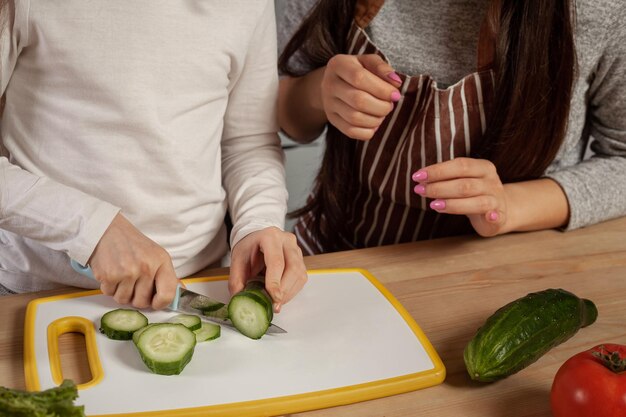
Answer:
(466, 186)
(358, 91)
(279, 254)
(129, 266)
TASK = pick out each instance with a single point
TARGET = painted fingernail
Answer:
(419, 176)
(394, 77)
(438, 205)
(419, 189)
(493, 216)
(395, 96)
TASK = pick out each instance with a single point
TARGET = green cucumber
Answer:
(251, 311)
(188, 320)
(140, 331)
(120, 324)
(207, 331)
(519, 333)
(166, 348)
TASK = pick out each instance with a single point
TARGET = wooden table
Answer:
(450, 286)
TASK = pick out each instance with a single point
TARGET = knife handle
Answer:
(86, 271)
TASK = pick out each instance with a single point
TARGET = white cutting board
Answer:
(348, 340)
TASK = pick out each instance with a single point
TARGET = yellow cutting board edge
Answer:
(271, 406)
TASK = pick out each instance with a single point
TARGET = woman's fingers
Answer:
(352, 71)
(379, 67)
(466, 186)
(354, 132)
(456, 188)
(358, 92)
(472, 205)
(455, 168)
(357, 117)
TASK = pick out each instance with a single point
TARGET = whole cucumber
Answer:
(520, 332)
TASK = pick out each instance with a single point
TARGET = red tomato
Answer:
(591, 383)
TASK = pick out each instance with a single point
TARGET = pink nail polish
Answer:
(419, 189)
(438, 205)
(394, 77)
(419, 176)
(395, 96)
(493, 216)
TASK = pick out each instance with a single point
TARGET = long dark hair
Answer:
(535, 65)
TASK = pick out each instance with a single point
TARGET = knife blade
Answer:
(189, 302)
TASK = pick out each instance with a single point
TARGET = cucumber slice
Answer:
(166, 348)
(208, 331)
(120, 324)
(188, 320)
(140, 331)
(250, 314)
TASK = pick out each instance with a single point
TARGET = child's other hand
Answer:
(358, 91)
(280, 255)
(466, 186)
(129, 266)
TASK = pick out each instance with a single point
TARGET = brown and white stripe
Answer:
(428, 125)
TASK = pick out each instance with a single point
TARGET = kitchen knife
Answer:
(189, 302)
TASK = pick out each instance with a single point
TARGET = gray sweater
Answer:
(440, 38)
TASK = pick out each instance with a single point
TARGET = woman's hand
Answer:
(132, 268)
(358, 91)
(279, 254)
(466, 186)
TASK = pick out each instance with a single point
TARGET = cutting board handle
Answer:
(74, 324)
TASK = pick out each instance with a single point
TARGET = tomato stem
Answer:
(610, 359)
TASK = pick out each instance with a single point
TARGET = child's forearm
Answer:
(300, 109)
(535, 205)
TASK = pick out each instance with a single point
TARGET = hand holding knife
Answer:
(189, 302)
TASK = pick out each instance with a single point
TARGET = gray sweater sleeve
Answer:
(596, 186)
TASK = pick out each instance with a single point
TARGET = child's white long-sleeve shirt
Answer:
(162, 110)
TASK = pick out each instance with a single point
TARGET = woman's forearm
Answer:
(535, 205)
(300, 110)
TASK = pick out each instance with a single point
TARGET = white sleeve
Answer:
(252, 158)
(32, 206)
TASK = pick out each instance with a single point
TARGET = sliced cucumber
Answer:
(140, 331)
(166, 348)
(251, 313)
(188, 320)
(207, 331)
(120, 324)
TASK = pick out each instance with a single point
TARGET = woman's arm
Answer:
(535, 205)
(300, 109)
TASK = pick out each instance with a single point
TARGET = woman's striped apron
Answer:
(428, 125)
